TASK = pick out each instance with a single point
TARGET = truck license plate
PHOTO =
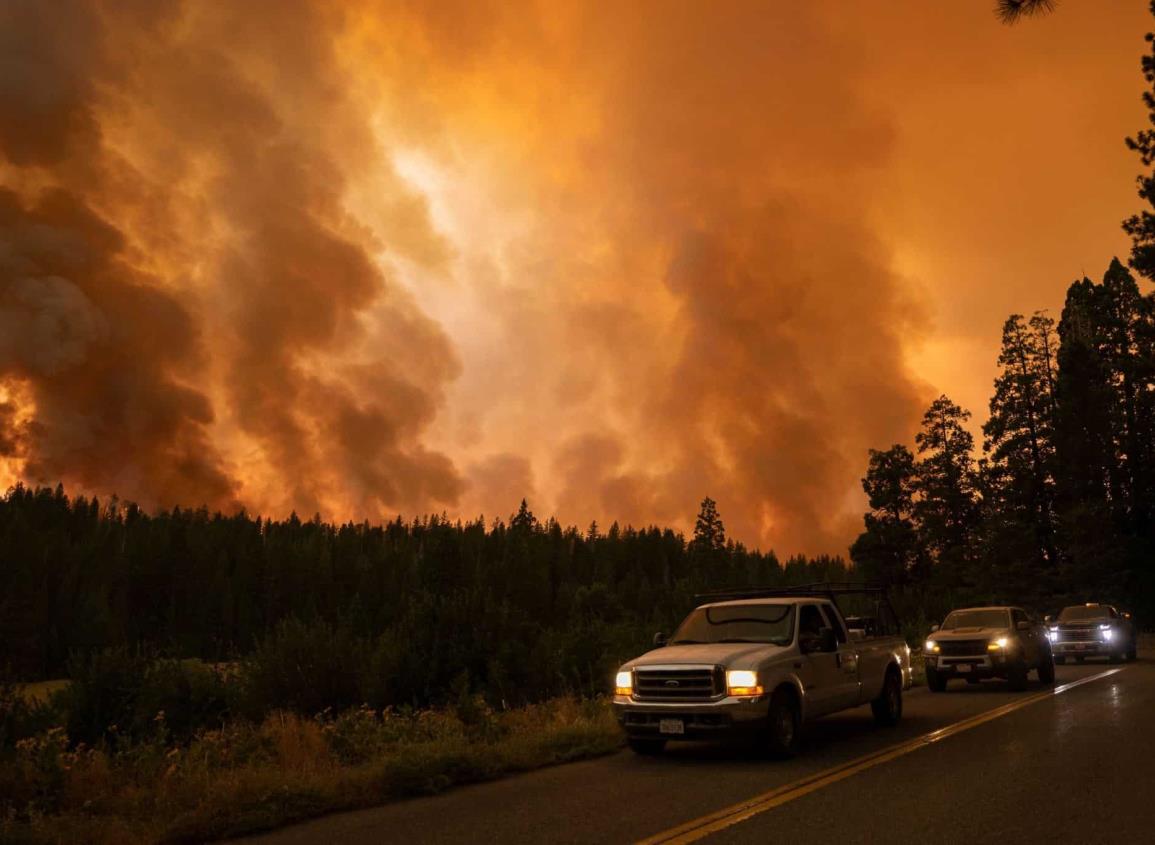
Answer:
(671, 726)
(963, 667)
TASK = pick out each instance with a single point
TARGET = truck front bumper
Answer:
(1087, 648)
(727, 717)
(977, 666)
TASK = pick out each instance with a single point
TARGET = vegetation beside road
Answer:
(174, 758)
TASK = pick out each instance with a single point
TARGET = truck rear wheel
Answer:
(646, 747)
(783, 725)
(887, 708)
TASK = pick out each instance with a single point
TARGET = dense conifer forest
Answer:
(516, 609)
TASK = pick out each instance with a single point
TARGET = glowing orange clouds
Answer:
(364, 259)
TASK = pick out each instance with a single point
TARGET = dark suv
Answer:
(987, 642)
(1092, 630)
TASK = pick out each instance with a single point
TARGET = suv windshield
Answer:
(738, 623)
(977, 619)
(1081, 613)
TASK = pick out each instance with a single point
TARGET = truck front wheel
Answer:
(934, 681)
(1047, 670)
(784, 725)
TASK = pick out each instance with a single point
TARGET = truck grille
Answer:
(1078, 635)
(678, 684)
(962, 647)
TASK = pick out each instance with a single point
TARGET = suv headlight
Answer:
(624, 684)
(742, 682)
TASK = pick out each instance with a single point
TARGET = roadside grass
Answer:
(917, 669)
(249, 777)
(41, 691)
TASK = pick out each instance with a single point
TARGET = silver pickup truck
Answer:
(760, 668)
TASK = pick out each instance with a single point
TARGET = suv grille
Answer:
(678, 684)
(962, 647)
(1078, 634)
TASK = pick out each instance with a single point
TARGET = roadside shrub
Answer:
(20, 717)
(192, 696)
(101, 698)
(118, 694)
(303, 667)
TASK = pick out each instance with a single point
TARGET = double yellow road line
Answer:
(699, 828)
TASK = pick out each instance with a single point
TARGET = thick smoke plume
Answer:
(368, 258)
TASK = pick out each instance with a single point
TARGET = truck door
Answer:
(847, 659)
(821, 670)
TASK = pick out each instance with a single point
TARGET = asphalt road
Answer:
(1077, 766)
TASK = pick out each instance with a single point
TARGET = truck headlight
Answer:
(624, 684)
(998, 645)
(1108, 634)
(742, 682)
(1053, 635)
(931, 647)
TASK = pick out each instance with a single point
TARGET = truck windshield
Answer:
(738, 623)
(977, 619)
(1081, 613)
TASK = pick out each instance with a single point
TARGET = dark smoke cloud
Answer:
(179, 271)
(370, 257)
(101, 348)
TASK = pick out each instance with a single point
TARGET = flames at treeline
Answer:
(367, 258)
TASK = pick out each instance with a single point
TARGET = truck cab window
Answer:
(810, 621)
(833, 622)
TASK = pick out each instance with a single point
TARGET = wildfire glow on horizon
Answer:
(373, 258)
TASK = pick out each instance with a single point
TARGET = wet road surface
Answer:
(1078, 766)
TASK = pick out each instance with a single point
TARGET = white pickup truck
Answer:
(759, 664)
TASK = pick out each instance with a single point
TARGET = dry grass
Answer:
(41, 691)
(247, 778)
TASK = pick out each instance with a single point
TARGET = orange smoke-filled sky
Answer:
(374, 258)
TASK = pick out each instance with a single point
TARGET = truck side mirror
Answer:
(1023, 625)
(1048, 618)
(659, 639)
(933, 628)
(824, 640)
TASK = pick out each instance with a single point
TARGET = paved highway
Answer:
(974, 764)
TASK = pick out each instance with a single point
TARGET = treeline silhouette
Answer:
(1060, 508)
(515, 610)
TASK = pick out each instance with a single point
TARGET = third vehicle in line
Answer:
(1092, 630)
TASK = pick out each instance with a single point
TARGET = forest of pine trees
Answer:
(515, 611)
(1061, 506)
(1058, 509)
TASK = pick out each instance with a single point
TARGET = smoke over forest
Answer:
(368, 258)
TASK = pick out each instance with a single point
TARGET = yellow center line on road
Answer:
(699, 828)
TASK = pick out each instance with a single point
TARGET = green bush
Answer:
(118, 694)
(20, 716)
(304, 667)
